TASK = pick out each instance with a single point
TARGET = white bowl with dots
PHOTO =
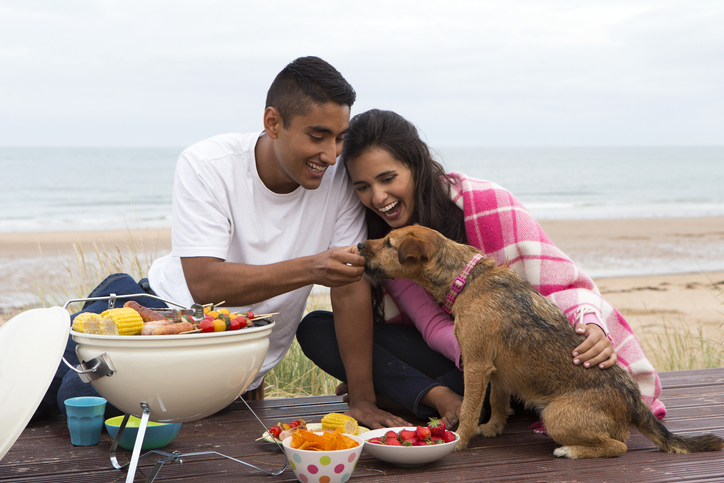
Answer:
(323, 466)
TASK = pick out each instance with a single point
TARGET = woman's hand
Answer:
(368, 414)
(595, 350)
(373, 417)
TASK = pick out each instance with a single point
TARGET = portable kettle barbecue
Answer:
(156, 378)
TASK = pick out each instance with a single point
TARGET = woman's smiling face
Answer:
(384, 185)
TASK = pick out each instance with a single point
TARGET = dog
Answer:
(520, 342)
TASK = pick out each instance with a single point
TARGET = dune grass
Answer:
(296, 375)
(677, 348)
(683, 347)
(85, 271)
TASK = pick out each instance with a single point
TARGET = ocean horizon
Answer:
(101, 188)
(87, 189)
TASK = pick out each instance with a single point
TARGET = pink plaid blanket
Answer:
(498, 224)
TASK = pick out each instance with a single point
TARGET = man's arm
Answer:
(353, 325)
(211, 280)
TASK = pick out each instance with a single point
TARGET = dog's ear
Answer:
(412, 248)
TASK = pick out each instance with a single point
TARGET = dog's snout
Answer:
(361, 246)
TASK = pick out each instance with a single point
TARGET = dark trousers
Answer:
(66, 383)
(404, 367)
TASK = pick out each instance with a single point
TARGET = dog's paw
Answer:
(563, 451)
(490, 429)
(461, 445)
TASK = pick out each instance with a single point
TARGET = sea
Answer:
(86, 188)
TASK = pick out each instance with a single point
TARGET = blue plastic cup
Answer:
(85, 419)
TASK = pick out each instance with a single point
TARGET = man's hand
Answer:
(337, 267)
(595, 350)
(212, 279)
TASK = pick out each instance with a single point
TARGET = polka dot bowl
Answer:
(323, 466)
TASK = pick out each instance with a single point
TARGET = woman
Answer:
(400, 184)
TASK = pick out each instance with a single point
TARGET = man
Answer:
(259, 218)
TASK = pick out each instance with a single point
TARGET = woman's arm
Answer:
(353, 326)
(433, 323)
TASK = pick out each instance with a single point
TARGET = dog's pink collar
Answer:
(459, 283)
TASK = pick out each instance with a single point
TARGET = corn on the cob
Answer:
(87, 322)
(121, 321)
(334, 420)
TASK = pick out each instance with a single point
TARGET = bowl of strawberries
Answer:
(411, 445)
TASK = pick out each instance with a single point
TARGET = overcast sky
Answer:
(489, 73)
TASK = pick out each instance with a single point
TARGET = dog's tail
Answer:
(652, 428)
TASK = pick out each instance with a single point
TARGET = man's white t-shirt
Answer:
(222, 209)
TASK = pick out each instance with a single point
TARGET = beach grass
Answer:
(676, 348)
(296, 375)
(80, 275)
(682, 347)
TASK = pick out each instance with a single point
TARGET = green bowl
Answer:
(157, 435)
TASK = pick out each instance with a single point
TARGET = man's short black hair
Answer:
(304, 81)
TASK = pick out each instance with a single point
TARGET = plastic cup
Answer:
(85, 419)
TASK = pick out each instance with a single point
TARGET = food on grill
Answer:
(87, 322)
(148, 315)
(168, 327)
(206, 325)
(121, 321)
(336, 420)
(134, 319)
(221, 320)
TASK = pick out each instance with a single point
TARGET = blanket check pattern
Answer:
(500, 226)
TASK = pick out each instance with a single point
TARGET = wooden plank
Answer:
(695, 402)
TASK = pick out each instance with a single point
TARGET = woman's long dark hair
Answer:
(432, 204)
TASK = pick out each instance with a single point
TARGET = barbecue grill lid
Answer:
(31, 347)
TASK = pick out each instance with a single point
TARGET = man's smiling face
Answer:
(309, 146)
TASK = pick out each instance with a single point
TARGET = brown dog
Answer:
(520, 342)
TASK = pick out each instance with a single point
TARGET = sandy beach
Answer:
(657, 271)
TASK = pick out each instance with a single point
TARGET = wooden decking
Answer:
(694, 399)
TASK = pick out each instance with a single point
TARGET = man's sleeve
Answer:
(350, 227)
(200, 225)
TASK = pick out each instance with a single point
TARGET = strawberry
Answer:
(391, 435)
(422, 433)
(449, 436)
(377, 440)
(437, 427)
(393, 442)
(406, 434)
(410, 442)
(437, 440)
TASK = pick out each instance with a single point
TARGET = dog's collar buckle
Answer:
(459, 282)
(458, 285)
